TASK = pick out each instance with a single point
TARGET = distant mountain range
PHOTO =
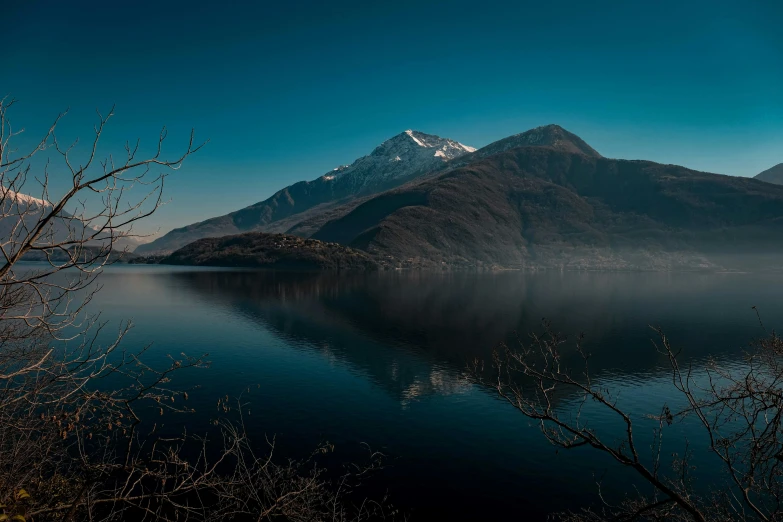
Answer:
(540, 199)
(773, 175)
(21, 214)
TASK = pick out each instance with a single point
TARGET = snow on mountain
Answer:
(17, 197)
(394, 162)
(405, 155)
(16, 206)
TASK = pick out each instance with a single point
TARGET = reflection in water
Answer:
(436, 324)
(381, 358)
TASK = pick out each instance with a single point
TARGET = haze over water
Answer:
(381, 359)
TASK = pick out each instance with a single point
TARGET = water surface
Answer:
(381, 359)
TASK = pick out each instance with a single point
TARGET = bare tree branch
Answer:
(739, 413)
(76, 437)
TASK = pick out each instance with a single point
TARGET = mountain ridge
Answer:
(536, 206)
(395, 161)
(551, 135)
(543, 198)
(17, 206)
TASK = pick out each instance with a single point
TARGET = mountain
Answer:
(553, 136)
(400, 159)
(773, 175)
(86, 254)
(276, 251)
(403, 156)
(21, 209)
(563, 205)
(23, 200)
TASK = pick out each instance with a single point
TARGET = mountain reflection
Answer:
(414, 334)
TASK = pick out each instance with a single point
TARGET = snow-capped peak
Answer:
(416, 140)
(17, 197)
(446, 148)
(405, 155)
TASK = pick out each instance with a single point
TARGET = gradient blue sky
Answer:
(288, 90)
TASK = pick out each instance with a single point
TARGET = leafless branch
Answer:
(739, 413)
(78, 440)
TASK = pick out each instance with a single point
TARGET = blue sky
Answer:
(288, 91)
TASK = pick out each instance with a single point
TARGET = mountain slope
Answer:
(548, 206)
(772, 175)
(20, 214)
(395, 161)
(277, 251)
(553, 136)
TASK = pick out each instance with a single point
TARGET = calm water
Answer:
(381, 359)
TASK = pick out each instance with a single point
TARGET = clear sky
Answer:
(286, 91)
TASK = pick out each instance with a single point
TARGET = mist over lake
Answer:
(382, 359)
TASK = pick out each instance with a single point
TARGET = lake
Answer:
(381, 359)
